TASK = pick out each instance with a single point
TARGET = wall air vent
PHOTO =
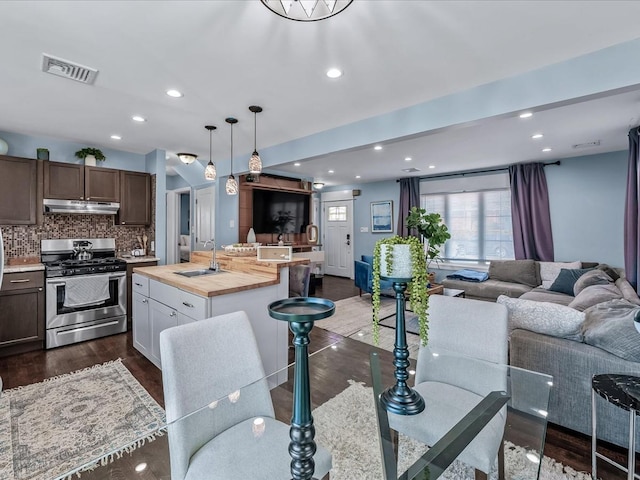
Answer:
(579, 146)
(65, 68)
(410, 170)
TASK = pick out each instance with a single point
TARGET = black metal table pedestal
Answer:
(301, 312)
(400, 398)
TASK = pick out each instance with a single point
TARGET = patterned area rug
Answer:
(353, 319)
(53, 427)
(354, 407)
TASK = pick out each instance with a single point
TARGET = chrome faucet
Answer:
(213, 265)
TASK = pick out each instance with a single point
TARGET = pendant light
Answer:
(255, 164)
(232, 184)
(210, 170)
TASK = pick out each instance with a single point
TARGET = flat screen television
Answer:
(280, 212)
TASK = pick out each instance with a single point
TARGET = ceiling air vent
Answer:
(410, 170)
(65, 68)
(578, 146)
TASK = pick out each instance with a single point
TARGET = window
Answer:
(337, 214)
(479, 223)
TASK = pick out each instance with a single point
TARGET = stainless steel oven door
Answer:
(57, 315)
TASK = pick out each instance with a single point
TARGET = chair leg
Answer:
(480, 475)
(326, 477)
(359, 292)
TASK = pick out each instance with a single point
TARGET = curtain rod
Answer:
(473, 172)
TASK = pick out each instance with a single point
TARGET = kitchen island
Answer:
(163, 298)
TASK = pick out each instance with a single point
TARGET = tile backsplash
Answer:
(24, 240)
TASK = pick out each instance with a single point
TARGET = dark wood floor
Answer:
(329, 376)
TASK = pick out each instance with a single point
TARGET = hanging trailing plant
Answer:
(417, 288)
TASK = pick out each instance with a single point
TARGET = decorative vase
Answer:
(251, 236)
(401, 267)
(4, 147)
(90, 161)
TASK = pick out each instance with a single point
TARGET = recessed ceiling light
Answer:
(407, 159)
(546, 149)
(138, 118)
(537, 136)
(526, 115)
(378, 147)
(297, 164)
(331, 171)
(116, 137)
(432, 166)
(174, 93)
(358, 176)
(334, 73)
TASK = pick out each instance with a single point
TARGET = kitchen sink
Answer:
(198, 273)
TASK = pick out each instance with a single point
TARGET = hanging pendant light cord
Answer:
(232, 149)
(210, 132)
(255, 131)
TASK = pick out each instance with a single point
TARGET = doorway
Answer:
(179, 222)
(337, 232)
(204, 216)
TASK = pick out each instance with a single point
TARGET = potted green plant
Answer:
(431, 229)
(90, 155)
(401, 257)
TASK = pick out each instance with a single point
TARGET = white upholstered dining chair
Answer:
(476, 330)
(203, 362)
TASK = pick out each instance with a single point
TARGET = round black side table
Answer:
(624, 392)
(301, 312)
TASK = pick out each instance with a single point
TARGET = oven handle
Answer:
(80, 329)
(58, 282)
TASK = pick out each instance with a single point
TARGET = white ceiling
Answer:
(227, 55)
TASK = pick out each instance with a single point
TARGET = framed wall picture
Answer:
(382, 217)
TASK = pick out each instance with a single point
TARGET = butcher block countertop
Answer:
(239, 273)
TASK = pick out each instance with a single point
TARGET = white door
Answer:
(204, 216)
(337, 234)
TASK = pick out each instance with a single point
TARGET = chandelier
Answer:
(306, 10)
(232, 185)
(210, 170)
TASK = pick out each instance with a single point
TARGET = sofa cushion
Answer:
(566, 280)
(543, 317)
(594, 295)
(628, 292)
(593, 277)
(517, 271)
(549, 271)
(540, 294)
(488, 290)
(610, 326)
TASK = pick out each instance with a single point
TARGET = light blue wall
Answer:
(586, 198)
(363, 242)
(62, 151)
(175, 182)
(156, 163)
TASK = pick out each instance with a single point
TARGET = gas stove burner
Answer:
(70, 267)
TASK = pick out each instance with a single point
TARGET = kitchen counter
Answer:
(27, 267)
(131, 259)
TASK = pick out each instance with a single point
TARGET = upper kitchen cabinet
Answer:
(135, 198)
(69, 181)
(18, 182)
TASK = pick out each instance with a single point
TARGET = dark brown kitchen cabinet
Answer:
(22, 307)
(69, 181)
(18, 183)
(135, 198)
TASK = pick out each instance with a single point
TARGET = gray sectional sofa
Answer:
(563, 353)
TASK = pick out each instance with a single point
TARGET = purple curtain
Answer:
(409, 197)
(530, 215)
(631, 235)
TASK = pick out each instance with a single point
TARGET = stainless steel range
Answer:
(86, 290)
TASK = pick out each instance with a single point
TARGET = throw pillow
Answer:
(517, 271)
(567, 279)
(594, 295)
(594, 277)
(628, 292)
(610, 326)
(543, 317)
(549, 271)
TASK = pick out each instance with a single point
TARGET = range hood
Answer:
(80, 207)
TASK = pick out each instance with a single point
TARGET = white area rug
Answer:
(353, 318)
(49, 428)
(343, 425)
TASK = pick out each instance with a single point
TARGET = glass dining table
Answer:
(357, 431)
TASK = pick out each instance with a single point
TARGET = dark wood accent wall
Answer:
(266, 182)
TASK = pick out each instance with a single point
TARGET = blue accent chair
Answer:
(363, 272)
